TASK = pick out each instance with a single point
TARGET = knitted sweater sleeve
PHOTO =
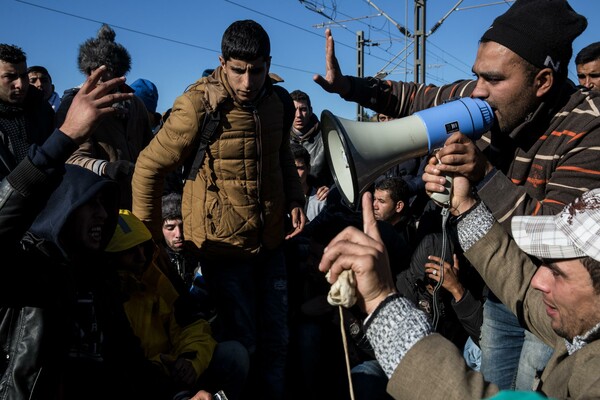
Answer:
(393, 328)
(401, 99)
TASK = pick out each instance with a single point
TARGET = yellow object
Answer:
(129, 233)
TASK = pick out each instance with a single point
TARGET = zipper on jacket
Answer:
(259, 154)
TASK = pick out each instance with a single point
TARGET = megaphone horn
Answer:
(359, 152)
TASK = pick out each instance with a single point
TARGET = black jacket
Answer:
(457, 320)
(62, 327)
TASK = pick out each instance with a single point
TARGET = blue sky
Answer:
(172, 42)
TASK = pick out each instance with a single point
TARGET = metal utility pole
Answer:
(420, 39)
(360, 66)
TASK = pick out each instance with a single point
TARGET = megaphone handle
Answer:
(443, 198)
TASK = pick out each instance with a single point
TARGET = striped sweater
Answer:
(552, 158)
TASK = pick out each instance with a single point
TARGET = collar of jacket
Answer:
(10, 110)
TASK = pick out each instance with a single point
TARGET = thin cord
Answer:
(435, 305)
(345, 343)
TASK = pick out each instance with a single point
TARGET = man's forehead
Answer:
(10, 67)
(592, 66)
(256, 63)
(492, 53)
(300, 103)
(382, 193)
(38, 75)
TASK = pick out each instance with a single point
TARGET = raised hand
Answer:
(365, 254)
(91, 104)
(334, 81)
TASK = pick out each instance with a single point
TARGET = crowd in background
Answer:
(182, 254)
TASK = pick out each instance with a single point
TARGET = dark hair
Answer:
(171, 206)
(299, 95)
(300, 152)
(397, 187)
(102, 50)
(12, 54)
(245, 40)
(593, 267)
(588, 54)
(40, 70)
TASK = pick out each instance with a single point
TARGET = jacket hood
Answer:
(78, 186)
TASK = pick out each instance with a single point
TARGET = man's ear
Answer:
(222, 62)
(544, 80)
(399, 207)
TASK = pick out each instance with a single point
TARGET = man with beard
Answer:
(539, 155)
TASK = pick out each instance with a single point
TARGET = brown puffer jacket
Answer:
(247, 182)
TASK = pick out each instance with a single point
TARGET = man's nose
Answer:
(589, 84)
(21, 82)
(480, 91)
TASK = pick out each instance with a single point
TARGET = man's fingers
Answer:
(92, 81)
(347, 254)
(99, 92)
(455, 260)
(369, 222)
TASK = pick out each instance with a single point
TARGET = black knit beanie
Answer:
(540, 31)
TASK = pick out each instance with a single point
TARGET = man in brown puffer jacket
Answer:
(235, 206)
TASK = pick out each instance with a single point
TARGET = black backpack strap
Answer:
(211, 122)
(289, 110)
(209, 127)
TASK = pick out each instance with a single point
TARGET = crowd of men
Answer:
(208, 249)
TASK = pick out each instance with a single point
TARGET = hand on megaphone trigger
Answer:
(461, 156)
(440, 188)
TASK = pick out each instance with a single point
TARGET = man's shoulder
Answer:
(581, 111)
(581, 98)
(205, 93)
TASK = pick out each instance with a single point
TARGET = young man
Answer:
(539, 155)
(313, 205)
(184, 258)
(183, 255)
(306, 131)
(390, 200)
(236, 202)
(25, 118)
(587, 62)
(41, 79)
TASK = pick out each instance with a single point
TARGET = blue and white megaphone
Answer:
(359, 152)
